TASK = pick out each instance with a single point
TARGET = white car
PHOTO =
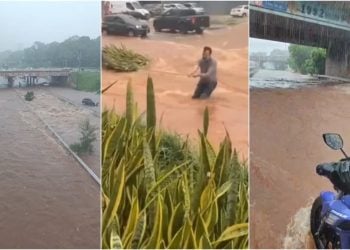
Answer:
(173, 6)
(241, 11)
(195, 7)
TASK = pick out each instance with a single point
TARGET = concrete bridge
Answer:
(31, 76)
(317, 24)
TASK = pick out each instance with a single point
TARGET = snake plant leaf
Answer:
(132, 220)
(129, 105)
(115, 241)
(115, 199)
(151, 113)
(139, 232)
(206, 121)
(156, 235)
(176, 241)
(233, 232)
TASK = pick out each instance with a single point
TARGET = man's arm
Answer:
(194, 73)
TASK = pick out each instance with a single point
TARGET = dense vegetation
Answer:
(74, 52)
(307, 60)
(159, 192)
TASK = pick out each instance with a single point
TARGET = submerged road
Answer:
(46, 199)
(286, 127)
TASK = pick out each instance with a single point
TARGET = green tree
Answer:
(307, 60)
(75, 52)
(318, 57)
(88, 136)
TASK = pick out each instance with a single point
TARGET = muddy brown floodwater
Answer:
(66, 117)
(46, 199)
(286, 127)
(171, 61)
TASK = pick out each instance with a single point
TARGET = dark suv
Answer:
(123, 24)
(182, 20)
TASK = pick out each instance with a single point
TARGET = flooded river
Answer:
(171, 61)
(286, 127)
(61, 109)
(46, 199)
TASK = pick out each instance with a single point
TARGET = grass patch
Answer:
(160, 192)
(87, 80)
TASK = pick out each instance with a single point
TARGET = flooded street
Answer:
(286, 127)
(44, 194)
(173, 56)
(265, 78)
(62, 110)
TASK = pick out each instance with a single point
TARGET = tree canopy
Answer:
(307, 60)
(75, 52)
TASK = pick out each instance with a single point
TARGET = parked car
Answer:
(241, 11)
(170, 6)
(154, 9)
(120, 6)
(195, 7)
(122, 24)
(89, 102)
(183, 20)
(136, 14)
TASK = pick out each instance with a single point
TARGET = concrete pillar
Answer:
(10, 81)
(338, 59)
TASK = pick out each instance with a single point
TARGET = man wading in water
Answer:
(207, 82)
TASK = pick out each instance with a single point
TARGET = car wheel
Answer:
(131, 33)
(183, 29)
(199, 31)
(244, 15)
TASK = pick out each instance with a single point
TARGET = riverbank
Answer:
(286, 127)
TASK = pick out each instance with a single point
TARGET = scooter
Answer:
(330, 213)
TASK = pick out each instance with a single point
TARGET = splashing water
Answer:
(298, 230)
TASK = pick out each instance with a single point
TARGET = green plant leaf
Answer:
(115, 199)
(206, 121)
(156, 235)
(233, 232)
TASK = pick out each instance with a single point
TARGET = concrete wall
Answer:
(338, 59)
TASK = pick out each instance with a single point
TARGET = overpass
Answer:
(310, 23)
(57, 76)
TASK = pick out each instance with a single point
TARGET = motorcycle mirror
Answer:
(334, 141)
